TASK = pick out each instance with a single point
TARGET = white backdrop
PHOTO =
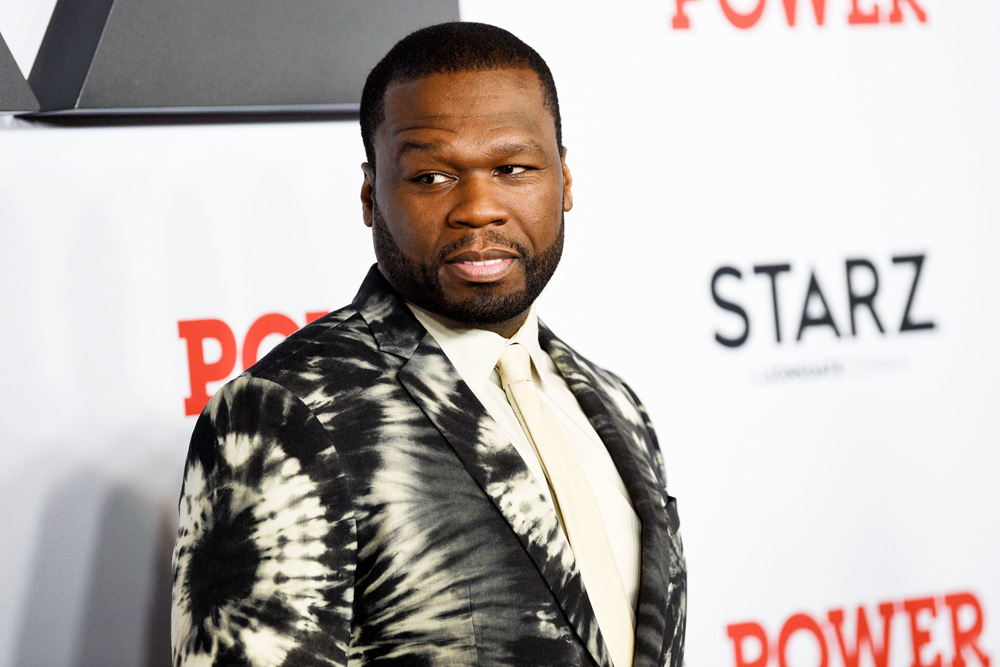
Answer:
(812, 475)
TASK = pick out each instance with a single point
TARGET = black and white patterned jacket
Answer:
(348, 500)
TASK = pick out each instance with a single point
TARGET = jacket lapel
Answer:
(484, 449)
(661, 589)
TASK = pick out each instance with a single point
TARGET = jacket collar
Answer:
(392, 324)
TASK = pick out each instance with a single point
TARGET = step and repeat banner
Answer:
(784, 237)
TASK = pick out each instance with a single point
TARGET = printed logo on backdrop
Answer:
(213, 351)
(930, 631)
(787, 305)
(745, 14)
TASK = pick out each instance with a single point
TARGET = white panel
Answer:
(811, 475)
(869, 478)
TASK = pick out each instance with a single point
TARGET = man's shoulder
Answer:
(350, 349)
(584, 376)
(319, 364)
(333, 336)
(336, 353)
(574, 366)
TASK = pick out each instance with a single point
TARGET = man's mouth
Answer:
(481, 270)
(485, 262)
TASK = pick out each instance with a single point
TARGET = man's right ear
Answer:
(367, 193)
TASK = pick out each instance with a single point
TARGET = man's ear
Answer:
(367, 193)
(567, 184)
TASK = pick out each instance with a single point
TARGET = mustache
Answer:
(491, 236)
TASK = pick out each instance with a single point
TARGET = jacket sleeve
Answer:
(263, 566)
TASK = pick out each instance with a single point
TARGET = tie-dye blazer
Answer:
(348, 500)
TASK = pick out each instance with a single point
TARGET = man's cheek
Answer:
(409, 240)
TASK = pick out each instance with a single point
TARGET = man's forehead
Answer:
(520, 87)
(525, 76)
(501, 100)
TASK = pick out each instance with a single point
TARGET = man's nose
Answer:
(479, 202)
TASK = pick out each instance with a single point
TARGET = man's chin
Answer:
(456, 290)
(489, 304)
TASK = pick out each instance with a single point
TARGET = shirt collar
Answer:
(474, 352)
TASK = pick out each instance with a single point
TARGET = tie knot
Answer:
(514, 364)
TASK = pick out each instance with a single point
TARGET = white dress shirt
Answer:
(474, 353)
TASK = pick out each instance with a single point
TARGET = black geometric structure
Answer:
(218, 56)
(15, 94)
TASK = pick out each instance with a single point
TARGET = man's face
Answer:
(467, 204)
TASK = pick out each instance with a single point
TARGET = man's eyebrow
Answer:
(414, 146)
(503, 149)
(517, 147)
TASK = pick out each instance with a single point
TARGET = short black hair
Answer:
(459, 46)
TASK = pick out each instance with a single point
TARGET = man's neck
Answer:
(507, 328)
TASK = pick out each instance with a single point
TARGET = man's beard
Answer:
(420, 284)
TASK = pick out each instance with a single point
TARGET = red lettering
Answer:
(795, 624)
(920, 636)
(896, 15)
(966, 615)
(862, 12)
(819, 9)
(681, 20)
(857, 17)
(966, 638)
(264, 326)
(742, 21)
(200, 372)
(863, 635)
(738, 632)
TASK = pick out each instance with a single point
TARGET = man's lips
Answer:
(484, 255)
(482, 266)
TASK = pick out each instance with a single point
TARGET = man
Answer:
(370, 492)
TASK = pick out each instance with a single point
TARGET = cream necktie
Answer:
(575, 504)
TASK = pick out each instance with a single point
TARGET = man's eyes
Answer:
(438, 178)
(511, 169)
(433, 178)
